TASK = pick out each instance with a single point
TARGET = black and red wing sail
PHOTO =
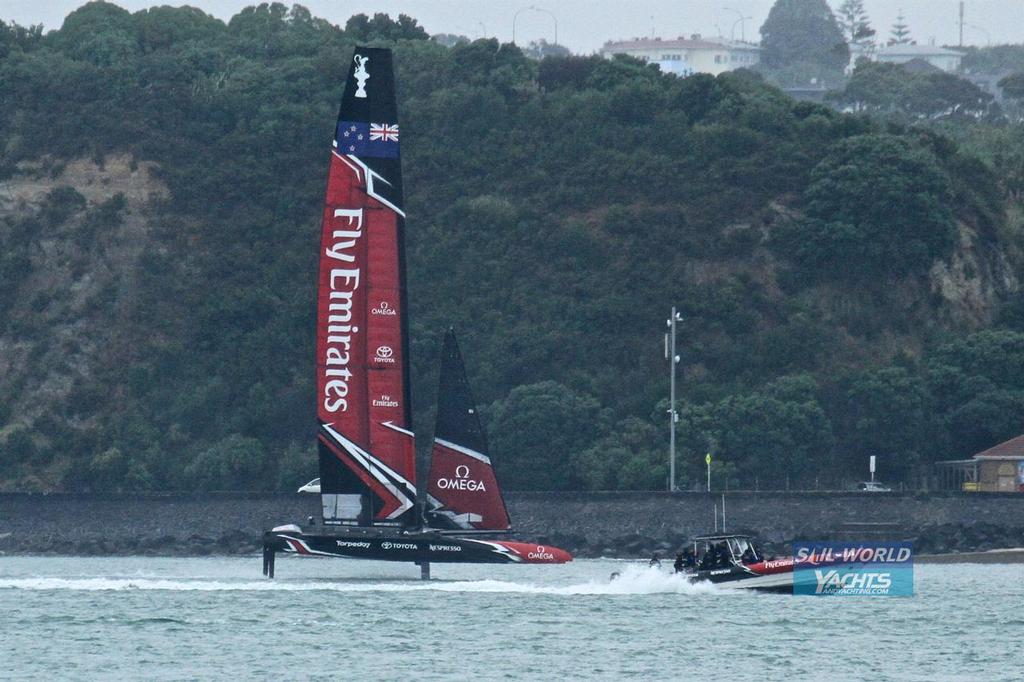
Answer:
(463, 492)
(367, 465)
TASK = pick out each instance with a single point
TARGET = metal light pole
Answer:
(553, 18)
(741, 21)
(534, 8)
(961, 22)
(515, 18)
(673, 415)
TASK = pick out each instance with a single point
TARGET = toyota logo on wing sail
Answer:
(462, 481)
(385, 354)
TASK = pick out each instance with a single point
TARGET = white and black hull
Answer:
(418, 547)
(766, 576)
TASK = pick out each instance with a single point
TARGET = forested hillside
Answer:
(849, 286)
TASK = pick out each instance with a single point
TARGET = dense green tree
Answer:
(112, 470)
(382, 27)
(876, 204)
(777, 434)
(1013, 85)
(880, 87)
(994, 355)
(976, 382)
(632, 456)
(171, 28)
(100, 33)
(889, 413)
(994, 59)
(237, 462)
(803, 31)
(18, 448)
(985, 420)
(536, 431)
(19, 38)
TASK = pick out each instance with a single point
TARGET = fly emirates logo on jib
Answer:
(343, 275)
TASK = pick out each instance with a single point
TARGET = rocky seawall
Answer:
(587, 524)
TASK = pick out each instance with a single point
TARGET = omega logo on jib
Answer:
(462, 481)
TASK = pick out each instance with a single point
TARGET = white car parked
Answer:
(311, 487)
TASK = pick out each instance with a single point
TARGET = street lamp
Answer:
(515, 18)
(741, 21)
(670, 355)
(553, 18)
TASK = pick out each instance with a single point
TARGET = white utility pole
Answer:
(673, 415)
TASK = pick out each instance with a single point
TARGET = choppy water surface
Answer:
(151, 618)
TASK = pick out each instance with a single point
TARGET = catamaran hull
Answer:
(416, 548)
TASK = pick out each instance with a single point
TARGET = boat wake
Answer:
(631, 580)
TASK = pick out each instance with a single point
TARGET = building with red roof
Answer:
(1000, 469)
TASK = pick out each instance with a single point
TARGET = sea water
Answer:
(215, 618)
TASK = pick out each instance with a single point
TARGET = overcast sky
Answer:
(584, 25)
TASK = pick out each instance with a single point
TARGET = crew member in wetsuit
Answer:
(655, 561)
(722, 555)
(678, 565)
(707, 562)
(748, 556)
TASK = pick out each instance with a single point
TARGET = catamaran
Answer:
(373, 506)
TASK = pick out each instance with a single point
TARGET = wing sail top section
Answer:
(367, 467)
(462, 488)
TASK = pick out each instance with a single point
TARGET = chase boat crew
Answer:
(734, 561)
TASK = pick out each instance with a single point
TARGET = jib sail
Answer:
(462, 490)
(367, 464)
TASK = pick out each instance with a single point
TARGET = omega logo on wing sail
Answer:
(384, 309)
(462, 481)
(541, 553)
(343, 283)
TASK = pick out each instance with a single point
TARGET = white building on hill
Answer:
(684, 56)
(939, 57)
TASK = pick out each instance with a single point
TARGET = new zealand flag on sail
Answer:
(378, 140)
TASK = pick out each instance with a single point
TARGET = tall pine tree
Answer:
(900, 34)
(854, 23)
